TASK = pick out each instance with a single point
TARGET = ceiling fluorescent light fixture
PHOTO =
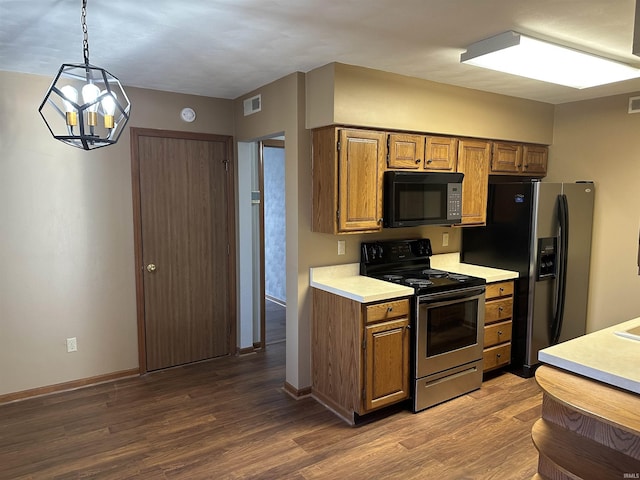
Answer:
(85, 106)
(514, 53)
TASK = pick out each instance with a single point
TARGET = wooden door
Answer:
(361, 162)
(186, 285)
(473, 161)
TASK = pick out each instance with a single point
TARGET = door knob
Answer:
(151, 268)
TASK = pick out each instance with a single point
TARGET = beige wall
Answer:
(66, 216)
(371, 98)
(283, 107)
(598, 140)
(66, 248)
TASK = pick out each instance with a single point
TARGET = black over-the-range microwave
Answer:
(422, 198)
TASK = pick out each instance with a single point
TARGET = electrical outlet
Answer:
(341, 247)
(72, 345)
(445, 239)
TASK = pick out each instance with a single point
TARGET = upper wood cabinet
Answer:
(510, 158)
(421, 152)
(535, 160)
(441, 154)
(405, 151)
(347, 180)
(473, 161)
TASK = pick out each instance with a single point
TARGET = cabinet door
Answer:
(441, 154)
(473, 161)
(386, 363)
(405, 151)
(506, 158)
(535, 160)
(361, 157)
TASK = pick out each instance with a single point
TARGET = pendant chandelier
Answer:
(85, 106)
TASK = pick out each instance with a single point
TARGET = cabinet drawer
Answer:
(497, 310)
(497, 333)
(386, 310)
(495, 357)
(500, 289)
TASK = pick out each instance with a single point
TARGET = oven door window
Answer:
(451, 327)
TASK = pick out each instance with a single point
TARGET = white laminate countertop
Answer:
(603, 355)
(346, 281)
(451, 263)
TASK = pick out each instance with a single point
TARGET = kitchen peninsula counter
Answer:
(606, 355)
(590, 426)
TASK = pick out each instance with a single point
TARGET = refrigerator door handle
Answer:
(563, 220)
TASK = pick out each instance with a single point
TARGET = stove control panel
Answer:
(395, 251)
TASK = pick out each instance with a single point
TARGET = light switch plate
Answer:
(341, 247)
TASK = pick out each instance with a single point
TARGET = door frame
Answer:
(137, 229)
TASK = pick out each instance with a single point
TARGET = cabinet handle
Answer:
(498, 355)
(390, 309)
(418, 161)
(379, 221)
(499, 332)
(501, 289)
(500, 309)
(429, 161)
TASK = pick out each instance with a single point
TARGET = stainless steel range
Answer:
(447, 321)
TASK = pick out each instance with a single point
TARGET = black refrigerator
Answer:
(542, 231)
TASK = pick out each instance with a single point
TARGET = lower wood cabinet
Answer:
(360, 354)
(498, 314)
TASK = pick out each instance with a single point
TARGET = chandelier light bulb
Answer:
(90, 94)
(70, 95)
(108, 108)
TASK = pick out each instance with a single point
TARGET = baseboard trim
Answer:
(295, 393)
(65, 386)
(247, 350)
(282, 303)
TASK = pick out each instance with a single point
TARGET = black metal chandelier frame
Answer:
(103, 98)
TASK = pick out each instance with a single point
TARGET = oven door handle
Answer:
(457, 294)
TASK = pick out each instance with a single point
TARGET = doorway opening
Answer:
(261, 243)
(273, 241)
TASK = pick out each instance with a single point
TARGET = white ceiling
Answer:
(226, 48)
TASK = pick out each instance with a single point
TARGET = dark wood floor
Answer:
(275, 322)
(230, 419)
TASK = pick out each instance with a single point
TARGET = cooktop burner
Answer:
(432, 273)
(407, 262)
(418, 282)
(392, 278)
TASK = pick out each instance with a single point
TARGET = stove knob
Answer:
(380, 251)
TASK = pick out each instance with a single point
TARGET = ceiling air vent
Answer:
(252, 105)
(634, 104)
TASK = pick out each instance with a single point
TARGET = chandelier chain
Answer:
(85, 41)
